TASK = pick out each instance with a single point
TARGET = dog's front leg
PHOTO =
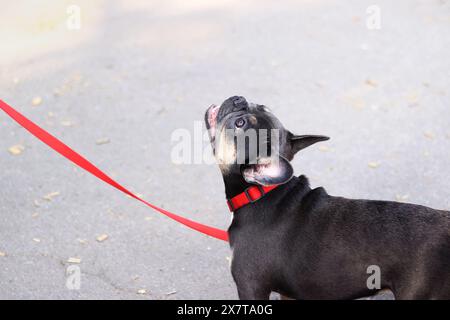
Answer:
(250, 288)
(252, 292)
(248, 283)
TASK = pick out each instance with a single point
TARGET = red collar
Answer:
(250, 195)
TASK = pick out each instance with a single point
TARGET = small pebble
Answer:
(2, 254)
(36, 240)
(429, 135)
(142, 291)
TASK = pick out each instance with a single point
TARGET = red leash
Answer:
(76, 158)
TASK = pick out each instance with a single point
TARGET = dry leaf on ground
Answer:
(51, 195)
(102, 141)
(371, 83)
(373, 164)
(74, 260)
(102, 237)
(66, 123)
(400, 197)
(36, 101)
(82, 241)
(429, 135)
(16, 149)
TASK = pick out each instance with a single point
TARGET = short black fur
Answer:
(306, 244)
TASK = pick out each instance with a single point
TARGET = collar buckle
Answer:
(249, 197)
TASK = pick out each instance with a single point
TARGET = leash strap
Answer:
(80, 161)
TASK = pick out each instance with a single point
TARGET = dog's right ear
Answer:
(301, 142)
(268, 171)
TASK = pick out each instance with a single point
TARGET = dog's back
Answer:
(410, 244)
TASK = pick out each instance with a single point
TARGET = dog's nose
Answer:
(239, 103)
(233, 104)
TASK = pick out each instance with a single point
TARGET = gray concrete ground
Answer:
(138, 70)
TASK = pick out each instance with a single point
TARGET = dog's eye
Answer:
(239, 123)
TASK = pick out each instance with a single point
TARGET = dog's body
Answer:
(306, 244)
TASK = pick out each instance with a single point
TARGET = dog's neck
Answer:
(234, 185)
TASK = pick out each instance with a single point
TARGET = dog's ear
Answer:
(301, 142)
(268, 171)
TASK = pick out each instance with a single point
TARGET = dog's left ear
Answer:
(268, 171)
(301, 142)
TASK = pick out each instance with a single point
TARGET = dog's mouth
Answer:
(211, 121)
(211, 116)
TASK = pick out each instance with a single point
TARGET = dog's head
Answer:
(247, 139)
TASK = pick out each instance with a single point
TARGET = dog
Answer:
(305, 244)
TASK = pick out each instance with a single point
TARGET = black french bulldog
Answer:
(306, 244)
